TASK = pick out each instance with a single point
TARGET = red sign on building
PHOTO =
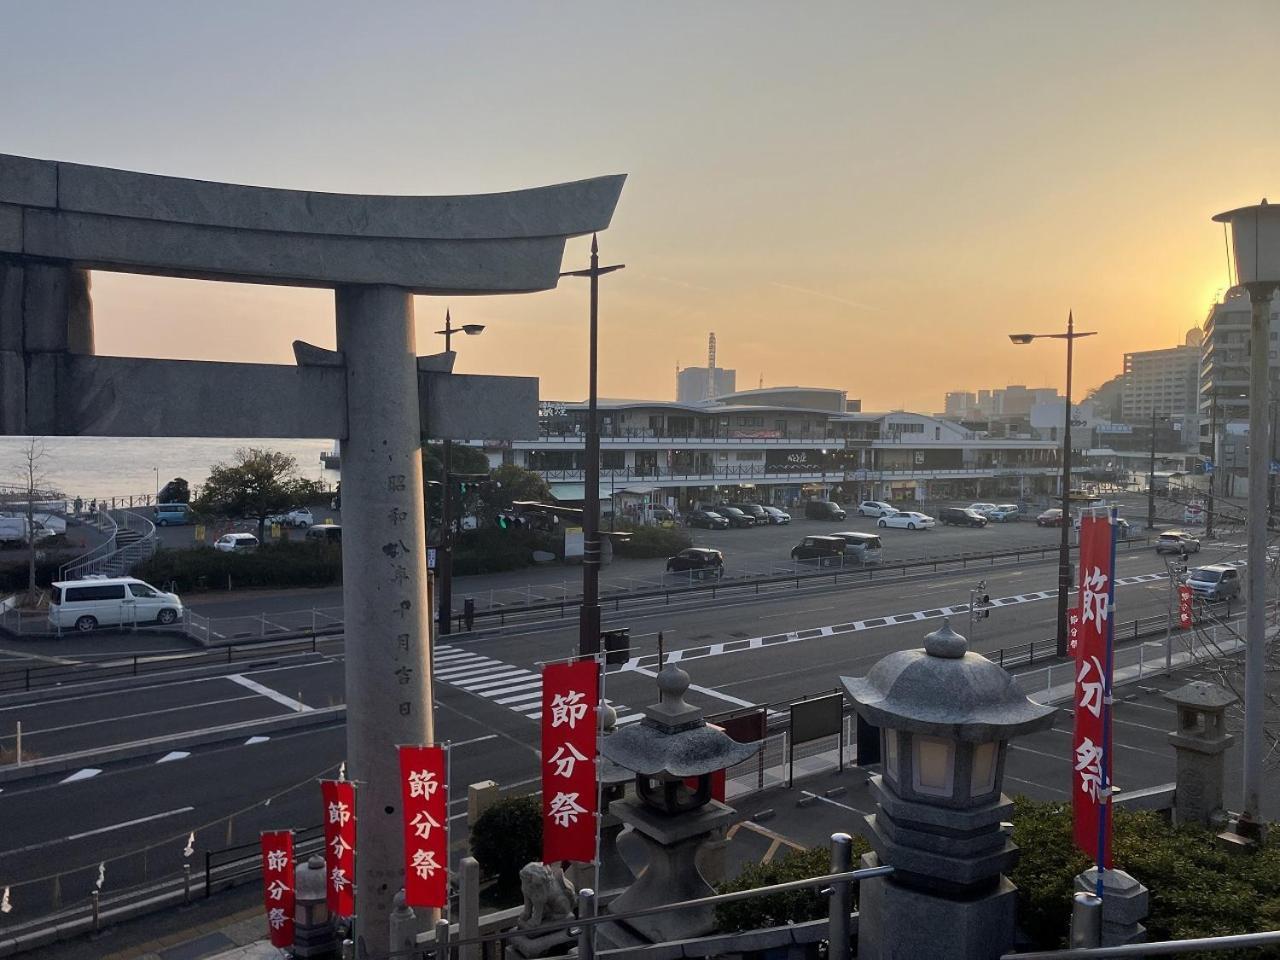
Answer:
(570, 695)
(425, 801)
(339, 797)
(277, 885)
(1090, 782)
(1184, 607)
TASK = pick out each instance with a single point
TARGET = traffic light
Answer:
(986, 606)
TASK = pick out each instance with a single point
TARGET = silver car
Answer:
(1177, 541)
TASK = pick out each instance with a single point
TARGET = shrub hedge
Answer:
(650, 542)
(778, 909)
(1198, 889)
(506, 837)
(285, 564)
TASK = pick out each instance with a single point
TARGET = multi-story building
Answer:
(1224, 375)
(960, 404)
(692, 383)
(1166, 383)
(778, 445)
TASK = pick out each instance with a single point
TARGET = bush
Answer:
(779, 909)
(506, 837)
(283, 564)
(1198, 889)
(492, 550)
(13, 576)
(650, 542)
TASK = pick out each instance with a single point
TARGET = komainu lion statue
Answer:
(547, 894)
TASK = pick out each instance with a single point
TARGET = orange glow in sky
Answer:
(861, 196)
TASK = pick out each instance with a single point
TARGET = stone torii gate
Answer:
(60, 220)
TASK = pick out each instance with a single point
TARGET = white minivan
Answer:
(110, 602)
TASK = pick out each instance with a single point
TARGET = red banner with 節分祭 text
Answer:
(425, 803)
(277, 885)
(1090, 783)
(339, 799)
(570, 696)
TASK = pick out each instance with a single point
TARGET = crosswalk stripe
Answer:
(521, 698)
(520, 677)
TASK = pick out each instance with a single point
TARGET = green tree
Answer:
(176, 490)
(255, 485)
(463, 459)
(508, 484)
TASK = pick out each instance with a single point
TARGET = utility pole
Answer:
(589, 617)
(1213, 460)
(1151, 476)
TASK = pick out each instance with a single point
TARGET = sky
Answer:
(853, 195)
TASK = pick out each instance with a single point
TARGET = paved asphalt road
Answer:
(739, 652)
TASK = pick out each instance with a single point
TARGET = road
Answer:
(739, 652)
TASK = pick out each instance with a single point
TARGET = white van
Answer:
(110, 602)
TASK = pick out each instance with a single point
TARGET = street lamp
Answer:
(1064, 548)
(1255, 242)
(589, 615)
(445, 559)
(1151, 474)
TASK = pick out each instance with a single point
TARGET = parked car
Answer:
(700, 560)
(236, 543)
(822, 549)
(325, 533)
(1177, 541)
(875, 508)
(13, 531)
(736, 517)
(753, 510)
(707, 519)
(961, 517)
(865, 548)
(777, 515)
(172, 514)
(1125, 531)
(982, 508)
(1217, 581)
(298, 517)
(823, 510)
(1050, 518)
(110, 602)
(908, 519)
(1004, 513)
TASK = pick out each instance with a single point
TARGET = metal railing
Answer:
(104, 523)
(120, 553)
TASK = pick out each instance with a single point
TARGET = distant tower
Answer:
(711, 367)
(762, 380)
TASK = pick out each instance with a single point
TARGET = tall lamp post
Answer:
(445, 559)
(589, 615)
(1151, 475)
(1255, 240)
(1064, 548)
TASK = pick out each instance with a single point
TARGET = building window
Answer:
(932, 768)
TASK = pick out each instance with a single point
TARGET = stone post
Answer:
(469, 906)
(402, 926)
(385, 588)
(1200, 743)
(1124, 905)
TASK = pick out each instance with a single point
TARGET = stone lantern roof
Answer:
(1202, 695)
(945, 691)
(673, 740)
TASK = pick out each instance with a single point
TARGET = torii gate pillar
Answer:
(386, 595)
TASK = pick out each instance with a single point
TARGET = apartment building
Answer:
(1166, 383)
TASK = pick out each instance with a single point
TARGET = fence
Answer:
(217, 630)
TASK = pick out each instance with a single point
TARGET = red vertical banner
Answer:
(1073, 632)
(277, 885)
(570, 695)
(1091, 687)
(339, 798)
(1184, 607)
(425, 801)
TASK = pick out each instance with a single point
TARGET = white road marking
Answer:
(99, 830)
(842, 806)
(467, 743)
(515, 675)
(741, 645)
(86, 774)
(297, 706)
(252, 740)
(174, 755)
(726, 697)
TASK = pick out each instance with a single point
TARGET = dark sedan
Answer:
(736, 517)
(707, 519)
(1050, 518)
(700, 560)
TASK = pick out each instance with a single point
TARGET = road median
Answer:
(45, 766)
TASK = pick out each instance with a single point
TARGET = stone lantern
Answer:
(669, 821)
(1199, 744)
(313, 930)
(946, 717)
